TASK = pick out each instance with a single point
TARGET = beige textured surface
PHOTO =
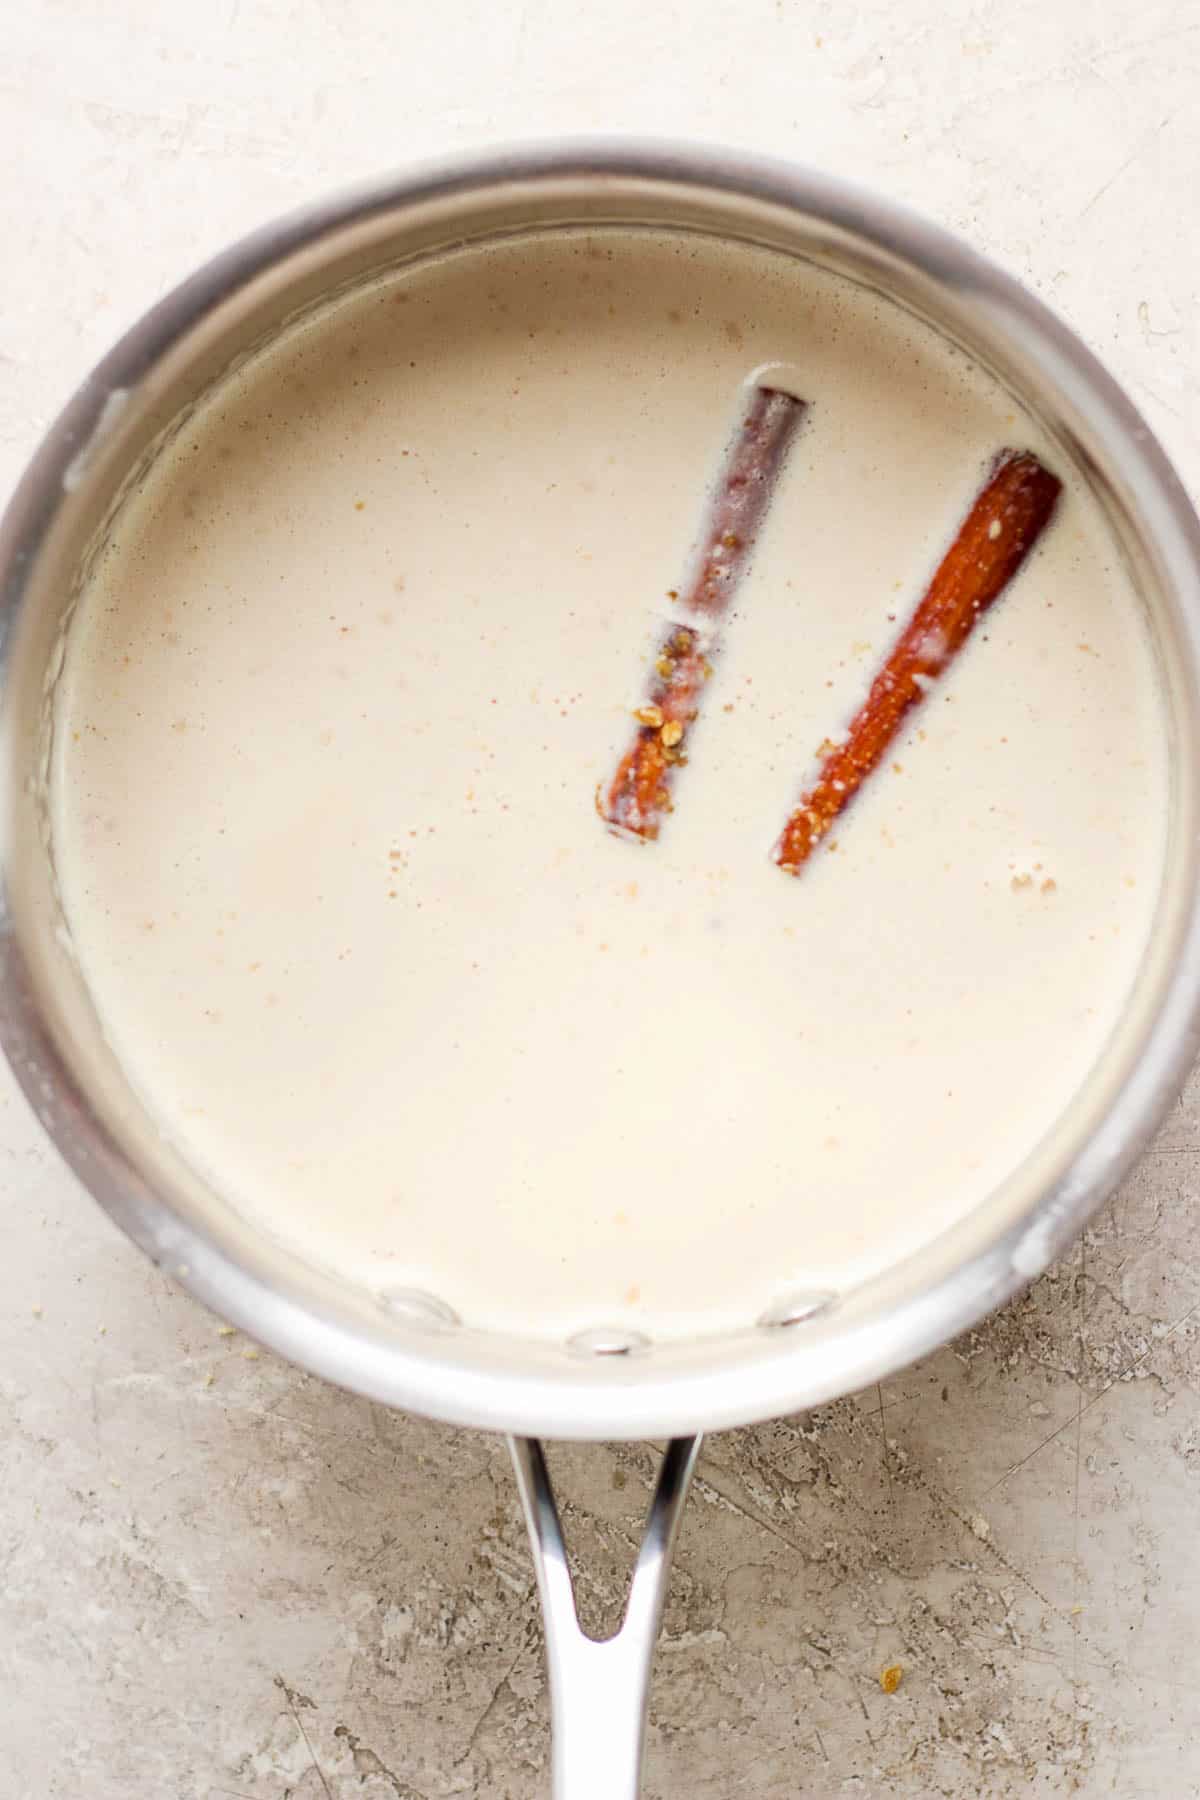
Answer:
(222, 1579)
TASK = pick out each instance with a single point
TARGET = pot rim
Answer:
(721, 1385)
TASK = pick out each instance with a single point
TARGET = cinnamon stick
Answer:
(639, 794)
(999, 531)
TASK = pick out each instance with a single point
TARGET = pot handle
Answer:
(598, 1689)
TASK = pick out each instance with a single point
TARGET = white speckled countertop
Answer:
(225, 1581)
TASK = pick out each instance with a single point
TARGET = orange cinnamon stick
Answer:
(1004, 523)
(639, 794)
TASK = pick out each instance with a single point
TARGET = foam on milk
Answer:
(334, 710)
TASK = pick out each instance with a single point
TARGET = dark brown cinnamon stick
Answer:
(639, 795)
(997, 534)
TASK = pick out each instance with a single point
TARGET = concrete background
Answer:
(225, 1581)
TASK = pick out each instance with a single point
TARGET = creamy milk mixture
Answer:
(335, 710)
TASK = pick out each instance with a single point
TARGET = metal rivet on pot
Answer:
(415, 1307)
(607, 1340)
(793, 1309)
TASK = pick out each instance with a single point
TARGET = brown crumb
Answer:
(1021, 881)
(672, 732)
(1049, 886)
(891, 1677)
(650, 715)
(665, 667)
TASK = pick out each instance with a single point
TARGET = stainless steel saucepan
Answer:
(408, 1349)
